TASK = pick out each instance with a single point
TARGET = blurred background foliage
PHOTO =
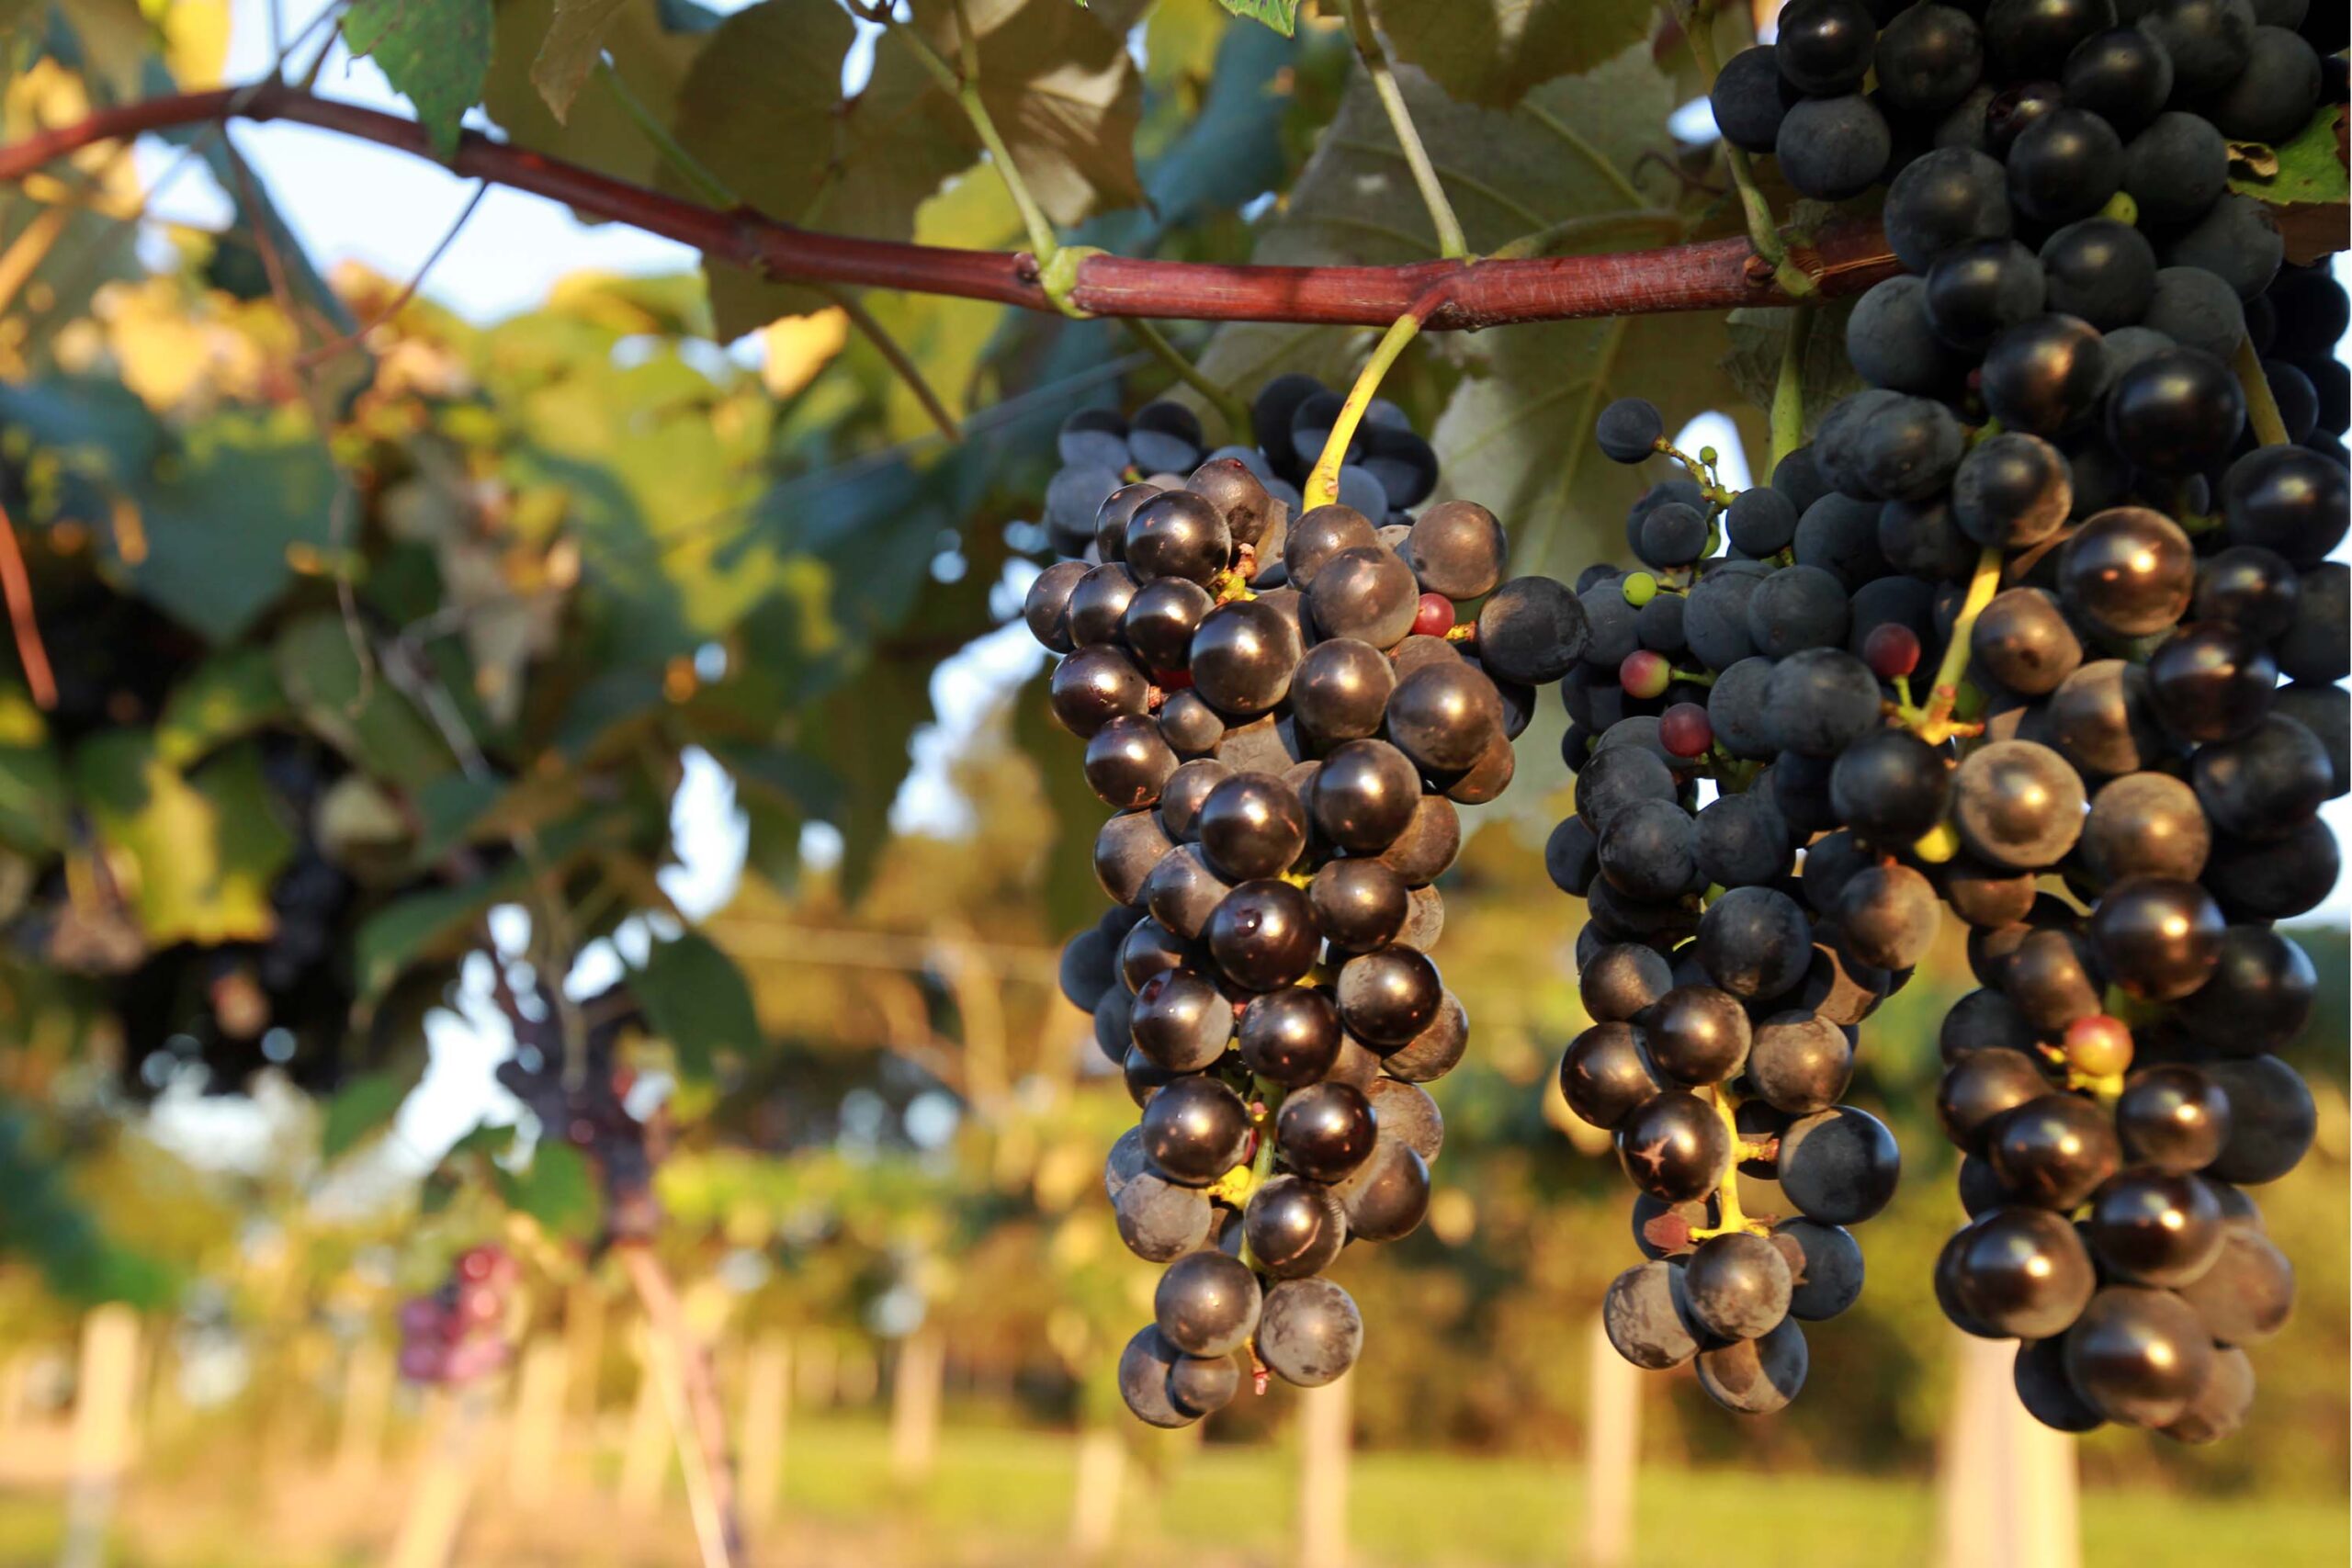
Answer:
(392, 652)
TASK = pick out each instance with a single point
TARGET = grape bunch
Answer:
(1726, 989)
(1283, 711)
(2048, 497)
(457, 1334)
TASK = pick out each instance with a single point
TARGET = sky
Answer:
(349, 200)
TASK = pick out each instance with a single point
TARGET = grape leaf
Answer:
(36, 815)
(1064, 94)
(2311, 166)
(1280, 14)
(574, 42)
(356, 711)
(695, 998)
(1517, 432)
(770, 78)
(231, 694)
(435, 53)
(365, 1104)
(1116, 15)
(2307, 189)
(556, 1189)
(1758, 338)
(650, 54)
(112, 39)
(201, 848)
(1492, 51)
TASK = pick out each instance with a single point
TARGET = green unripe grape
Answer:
(1640, 589)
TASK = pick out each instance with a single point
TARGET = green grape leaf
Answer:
(1493, 51)
(356, 711)
(2303, 180)
(435, 53)
(1064, 94)
(35, 814)
(650, 53)
(696, 998)
(1758, 337)
(438, 922)
(771, 78)
(231, 694)
(1516, 433)
(203, 847)
(43, 1218)
(2310, 167)
(364, 1105)
(576, 42)
(558, 1189)
(113, 41)
(1280, 14)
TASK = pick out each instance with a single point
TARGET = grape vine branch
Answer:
(1715, 275)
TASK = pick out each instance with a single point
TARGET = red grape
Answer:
(1435, 617)
(1684, 730)
(1892, 650)
(1644, 674)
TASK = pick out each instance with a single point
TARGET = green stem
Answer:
(897, 357)
(1236, 412)
(963, 84)
(709, 186)
(1935, 723)
(2261, 408)
(1450, 241)
(1323, 484)
(1788, 391)
(1763, 233)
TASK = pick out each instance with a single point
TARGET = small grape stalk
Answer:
(456, 1334)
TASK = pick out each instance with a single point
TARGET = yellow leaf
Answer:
(799, 347)
(196, 38)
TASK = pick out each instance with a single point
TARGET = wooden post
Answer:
(916, 1384)
(15, 1388)
(1094, 1499)
(856, 1378)
(105, 1392)
(645, 1456)
(764, 1424)
(444, 1481)
(534, 1457)
(1323, 1431)
(583, 1361)
(367, 1379)
(1612, 1445)
(2006, 1484)
(821, 1361)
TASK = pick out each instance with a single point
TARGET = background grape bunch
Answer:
(1285, 708)
(2049, 496)
(456, 1332)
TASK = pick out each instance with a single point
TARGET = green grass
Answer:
(1001, 1498)
(1455, 1511)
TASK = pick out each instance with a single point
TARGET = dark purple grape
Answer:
(2138, 1356)
(1674, 1147)
(2054, 1152)
(1195, 1129)
(1264, 935)
(1294, 1227)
